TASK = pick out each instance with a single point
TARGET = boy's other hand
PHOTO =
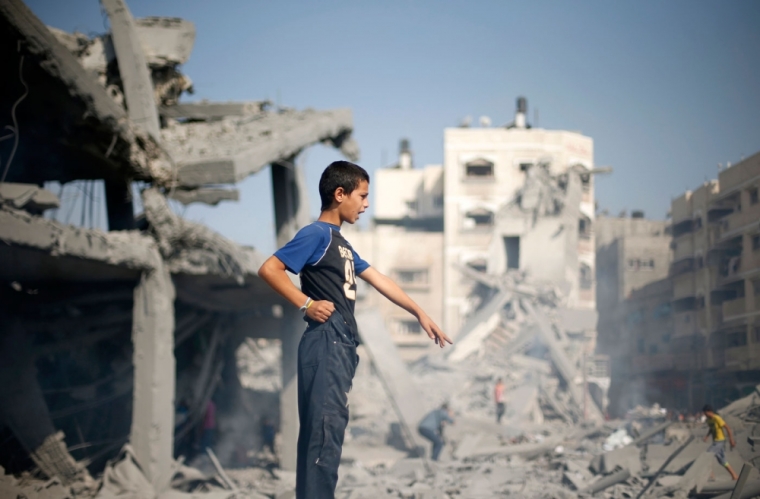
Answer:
(320, 311)
(434, 332)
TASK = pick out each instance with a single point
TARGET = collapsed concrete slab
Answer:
(393, 373)
(229, 150)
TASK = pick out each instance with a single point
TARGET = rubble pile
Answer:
(535, 452)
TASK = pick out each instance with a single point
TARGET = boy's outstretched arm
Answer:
(390, 290)
(273, 272)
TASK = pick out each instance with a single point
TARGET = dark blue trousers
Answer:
(435, 438)
(327, 363)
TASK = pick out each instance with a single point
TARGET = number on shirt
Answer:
(350, 281)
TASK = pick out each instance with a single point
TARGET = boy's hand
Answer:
(434, 332)
(705, 439)
(733, 444)
(320, 311)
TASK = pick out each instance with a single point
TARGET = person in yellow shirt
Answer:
(718, 429)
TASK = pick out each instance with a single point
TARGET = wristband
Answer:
(306, 305)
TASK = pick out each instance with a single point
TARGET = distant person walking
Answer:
(431, 427)
(209, 427)
(498, 396)
(718, 429)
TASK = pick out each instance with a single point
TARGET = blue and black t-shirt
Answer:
(327, 265)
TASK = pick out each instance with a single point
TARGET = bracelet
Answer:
(306, 305)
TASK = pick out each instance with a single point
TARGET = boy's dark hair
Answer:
(708, 408)
(340, 174)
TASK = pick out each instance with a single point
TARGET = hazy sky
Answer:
(667, 90)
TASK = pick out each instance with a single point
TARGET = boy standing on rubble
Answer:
(718, 430)
(327, 360)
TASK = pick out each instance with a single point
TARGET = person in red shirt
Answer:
(498, 396)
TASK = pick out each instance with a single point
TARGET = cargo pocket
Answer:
(333, 430)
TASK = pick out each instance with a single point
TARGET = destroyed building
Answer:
(108, 333)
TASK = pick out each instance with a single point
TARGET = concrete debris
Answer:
(230, 149)
(29, 197)
(203, 111)
(209, 196)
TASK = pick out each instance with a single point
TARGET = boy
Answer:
(718, 429)
(327, 358)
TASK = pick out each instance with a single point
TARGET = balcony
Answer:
(739, 221)
(683, 286)
(682, 266)
(683, 248)
(733, 309)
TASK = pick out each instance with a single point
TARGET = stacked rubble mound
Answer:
(534, 453)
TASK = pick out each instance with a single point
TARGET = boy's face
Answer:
(352, 205)
(708, 414)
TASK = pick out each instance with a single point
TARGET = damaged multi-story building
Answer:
(689, 337)
(511, 200)
(106, 334)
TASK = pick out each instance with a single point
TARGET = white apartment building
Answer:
(504, 209)
(502, 200)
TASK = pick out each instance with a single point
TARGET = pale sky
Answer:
(667, 90)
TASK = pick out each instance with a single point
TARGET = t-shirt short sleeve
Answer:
(306, 248)
(359, 264)
(719, 423)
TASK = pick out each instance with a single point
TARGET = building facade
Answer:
(505, 198)
(489, 171)
(713, 350)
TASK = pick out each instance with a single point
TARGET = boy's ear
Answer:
(339, 194)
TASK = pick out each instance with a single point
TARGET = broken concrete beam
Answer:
(624, 457)
(716, 488)
(56, 60)
(28, 197)
(229, 150)
(697, 474)
(659, 471)
(618, 476)
(212, 110)
(561, 362)
(577, 474)
(741, 482)
(393, 374)
(205, 195)
(190, 247)
(152, 432)
(19, 230)
(133, 68)
(165, 41)
(527, 451)
(478, 327)
(88, 100)
(650, 432)
(750, 490)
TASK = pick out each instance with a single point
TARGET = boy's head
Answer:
(708, 410)
(346, 186)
